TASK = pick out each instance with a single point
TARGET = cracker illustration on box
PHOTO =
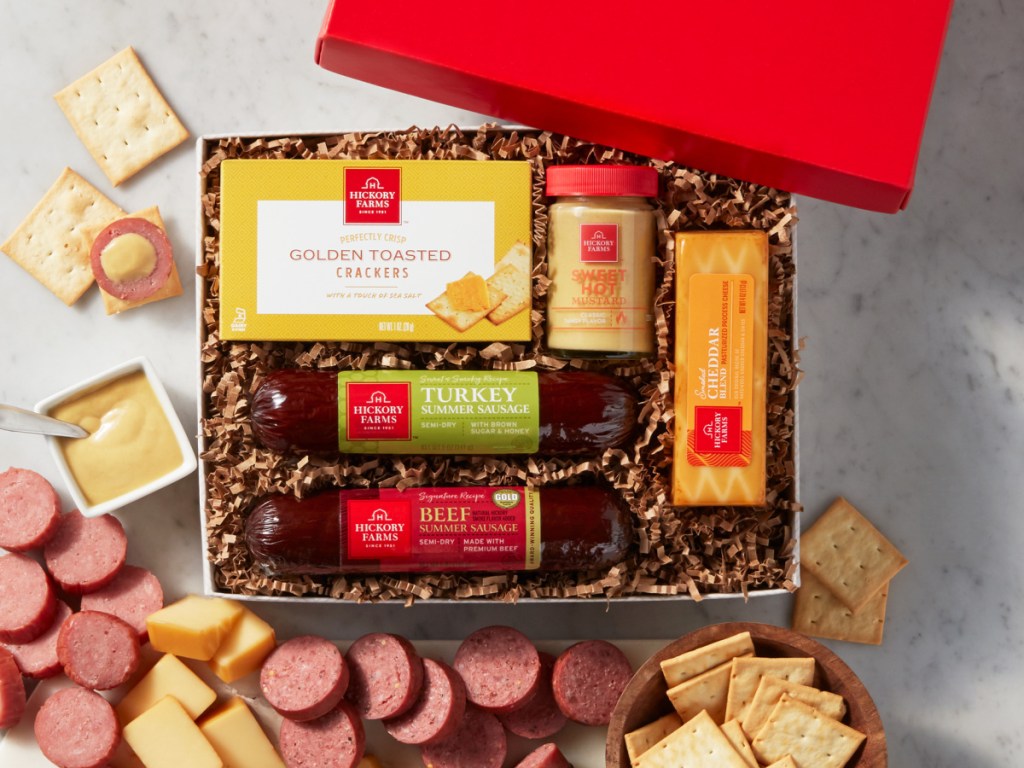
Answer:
(500, 297)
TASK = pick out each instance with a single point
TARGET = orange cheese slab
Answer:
(721, 368)
(469, 294)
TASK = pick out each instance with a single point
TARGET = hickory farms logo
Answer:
(378, 411)
(373, 195)
(378, 528)
(718, 430)
(599, 243)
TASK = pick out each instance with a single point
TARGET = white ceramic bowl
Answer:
(188, 462)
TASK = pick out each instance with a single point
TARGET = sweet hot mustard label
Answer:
(371, 250)
(130, 441)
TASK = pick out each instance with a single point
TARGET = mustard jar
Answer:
(602, 245)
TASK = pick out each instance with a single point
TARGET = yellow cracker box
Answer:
(372, 250)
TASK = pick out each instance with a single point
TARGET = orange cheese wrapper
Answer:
(721, 368)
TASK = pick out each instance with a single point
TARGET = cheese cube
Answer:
(238, 739)
(164, 736)
(244, 649)
(193, 627)
(168, 677)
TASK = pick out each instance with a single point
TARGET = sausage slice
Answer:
(540, 717)
(97, 650)
(501, 668)
(336, 740)
(86, 553)
(29, 510)
(27, 602)
(387, 675)
(76, 728)
(545, 756)
(588, 679)
(38, 658)
(12, 691)
(144, 285)
(437, 712)
(133, 595)
(304, 678)
(479, 742)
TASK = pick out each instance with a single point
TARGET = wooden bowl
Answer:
(644, 699)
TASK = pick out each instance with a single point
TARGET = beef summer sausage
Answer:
(544, 756)
(581, 528)
(335, 740)
(588, 679)
(27, 602)
(386, 675)
(132, 596)
(12, 691)
(76, 728)
(38, 658)
(479, 742)
(540, 717)
(86, 553)
(501, 668)
(125, 270)
(438, 711)
(577, 412)
(97, 650)
(29, 510)
(304, 678)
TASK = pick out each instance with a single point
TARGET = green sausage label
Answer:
(438, 412)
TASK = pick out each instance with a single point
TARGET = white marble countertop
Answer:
(913, 404)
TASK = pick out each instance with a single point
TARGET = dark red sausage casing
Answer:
(133, 290)
(580, 412)
(582, 528)
(588, 679)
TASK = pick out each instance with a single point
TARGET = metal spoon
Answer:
(19, 420)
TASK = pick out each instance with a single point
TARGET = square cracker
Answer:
(642, 739)
(459, 319)
(121, 116)
(806, 735)
(786, 762)
(518, 256)
(515, 284)
(707, 691)
(171, 288)
(699, 743)
(692, 663)
(849, 555)
(747, 674)
(52, 244)
(770, 691)
(734, 733)
(818, 612)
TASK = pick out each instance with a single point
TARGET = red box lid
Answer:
(825, 99)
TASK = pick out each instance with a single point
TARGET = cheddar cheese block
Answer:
(721, 368)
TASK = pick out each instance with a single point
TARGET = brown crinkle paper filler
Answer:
(680, 551)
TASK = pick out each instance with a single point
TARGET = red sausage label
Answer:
(452, 529)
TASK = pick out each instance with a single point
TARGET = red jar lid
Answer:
(602, 180)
